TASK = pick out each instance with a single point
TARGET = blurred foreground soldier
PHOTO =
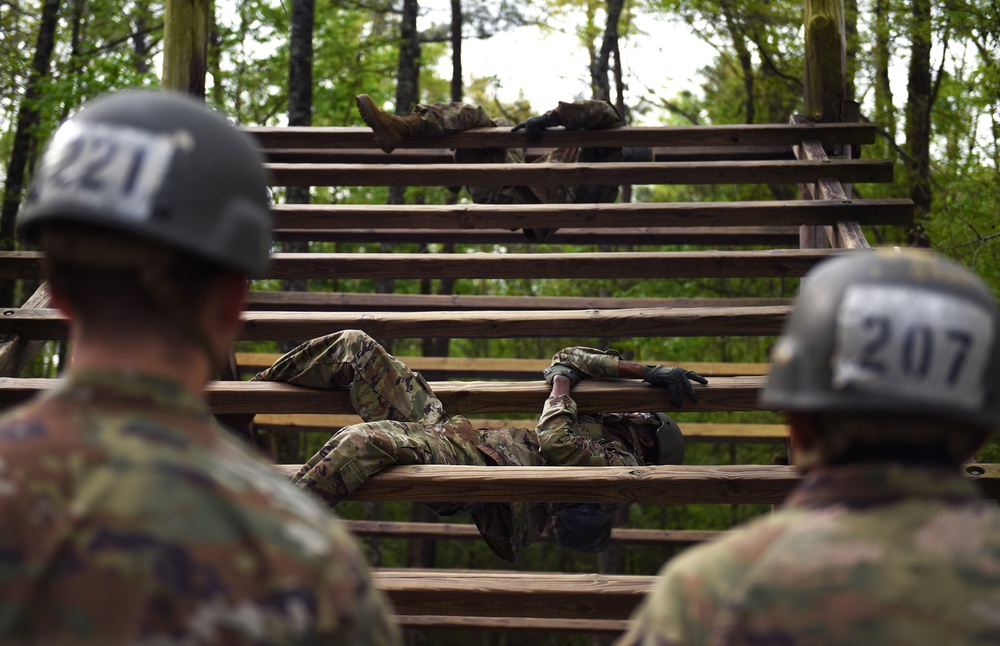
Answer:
(889, 372)
(404, 423)
(126, 515)
(435, 119)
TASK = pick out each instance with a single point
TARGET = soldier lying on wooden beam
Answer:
(406, 424)
(435, 119)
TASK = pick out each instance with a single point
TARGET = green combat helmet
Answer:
(161, 167)
(891, 332)
(669, 441)
(144, 181)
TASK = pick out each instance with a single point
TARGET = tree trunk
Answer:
(408, 74)
(457, 91)
(918, 119)
(601, 69)
(739, 37)
(185, 46)
(885, 112)
(140, 40)
(28, 117)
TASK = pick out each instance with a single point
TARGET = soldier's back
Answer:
(127, 518)
(886, 557)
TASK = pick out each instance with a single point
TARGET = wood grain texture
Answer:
(268, 325)
(593, 216)
(612, 173)
(722, 135)
(497, 593)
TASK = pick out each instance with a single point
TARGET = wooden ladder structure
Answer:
(763, 239)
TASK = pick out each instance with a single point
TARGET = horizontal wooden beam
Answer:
(678, 264)
(782, 263)
(522, 368)
(445, 155)
(636, 236)
(499, 593)
(720, 135)
(360, 302)
(743, 484)
(512, 624)
(693, 432)
(592, 216)
(468, 531)
(694, 484)
(50, 324)
(612, 173)
(458, 397)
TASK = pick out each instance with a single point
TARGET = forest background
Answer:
(927, 72)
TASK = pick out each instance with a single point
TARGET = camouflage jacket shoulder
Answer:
(151, 526)
(877, 554)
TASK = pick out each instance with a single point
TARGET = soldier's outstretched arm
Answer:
(580, 363)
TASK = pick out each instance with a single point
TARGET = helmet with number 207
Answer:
(898, 331)
(160, 166)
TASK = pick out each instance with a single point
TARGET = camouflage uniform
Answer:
(861, 554)
(406, 424)
(127, 517)
(440, 118)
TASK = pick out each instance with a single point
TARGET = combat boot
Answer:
(389, 129)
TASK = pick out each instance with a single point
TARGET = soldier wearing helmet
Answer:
(405, 423)
(126, 514)
(888, 371)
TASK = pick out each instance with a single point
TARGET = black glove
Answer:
(676, 380)
(574, 376)
(534, 127)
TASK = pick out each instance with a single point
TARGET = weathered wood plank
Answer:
(350, 302)
(694, 484)
(512, 624)
(444, 155)
(260, 325)
(679, 264)
(693, 431)
(497, 593)
(744, 484)
(17, 352)
(593, 216)
(468, 531)
(522, 368)
(666, 173)
(460, 398)
(721, 135)
(636, 236)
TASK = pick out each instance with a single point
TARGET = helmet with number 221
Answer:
(900, 331)
(160, 166)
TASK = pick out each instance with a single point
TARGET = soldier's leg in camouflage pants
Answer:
(381, 386)
(357, 452)
(405, 423)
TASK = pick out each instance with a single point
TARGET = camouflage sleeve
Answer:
(589, 361)
(585, 114)
(563, 442)
(351, 610)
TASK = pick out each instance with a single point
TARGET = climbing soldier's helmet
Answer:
(667, 440)
(892, 333)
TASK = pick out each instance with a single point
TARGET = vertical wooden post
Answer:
(185, 46)
(825, 87)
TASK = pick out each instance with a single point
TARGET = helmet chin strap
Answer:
(633, 437)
